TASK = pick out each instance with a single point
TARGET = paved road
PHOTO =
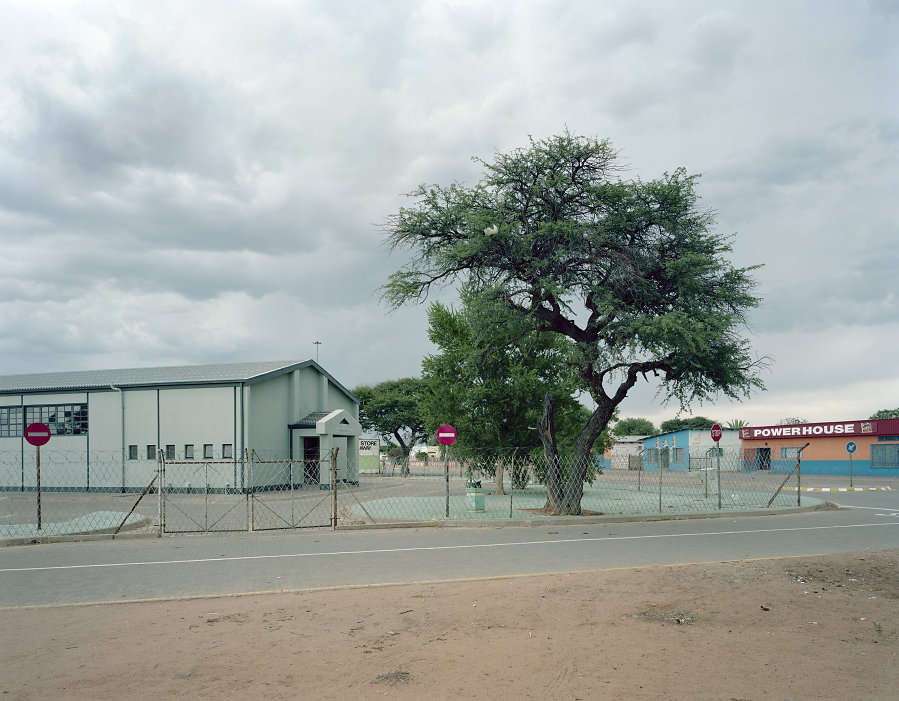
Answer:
(186, 566)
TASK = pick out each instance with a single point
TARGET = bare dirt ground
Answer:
(822, 627)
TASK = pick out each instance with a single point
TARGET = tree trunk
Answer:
(520, 475)
(406, 452)
(547, 431)
(570, 502)
(499, 476)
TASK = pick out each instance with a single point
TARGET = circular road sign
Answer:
(446, 435)
(850, 447)
(716, 433)
(37, 434)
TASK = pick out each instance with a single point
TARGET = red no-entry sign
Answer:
(716, 433)
(446, 435)
(37, 434)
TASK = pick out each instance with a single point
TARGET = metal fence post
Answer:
(334, 488)
(290, 477)
(705, 469)
(660, 478)
(160, 471)
(206, 496)
(248, 466)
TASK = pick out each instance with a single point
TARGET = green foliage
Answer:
(790, 420)
(737, 423)
(697, 422)
(392, 410)
(490, 375)
(885, 414)
(630, 272)
(635, 426)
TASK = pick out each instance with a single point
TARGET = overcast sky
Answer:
(203, 182)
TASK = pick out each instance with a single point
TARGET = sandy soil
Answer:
(822, 627)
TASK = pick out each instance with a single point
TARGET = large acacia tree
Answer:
(630, 270)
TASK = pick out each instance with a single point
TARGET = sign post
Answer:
(37, 435)
(716, 436)
(850, 448)
(446, 436)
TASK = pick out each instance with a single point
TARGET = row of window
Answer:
(189, 452)
(61, 419)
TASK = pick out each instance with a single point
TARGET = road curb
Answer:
(589, 520)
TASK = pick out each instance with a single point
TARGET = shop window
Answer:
(652, 455)
(885, 456)
(789, 453)
(677, 455)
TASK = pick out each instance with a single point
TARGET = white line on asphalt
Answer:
(437, 547)
(875, 508)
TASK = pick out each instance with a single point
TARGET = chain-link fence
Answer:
(96, 494)
(76, 493)
(513, 486)
(251, 493)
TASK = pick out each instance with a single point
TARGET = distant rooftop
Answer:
(227, 373)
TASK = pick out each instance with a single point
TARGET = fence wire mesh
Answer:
(99, 493)
(80, 493)
(513, 486)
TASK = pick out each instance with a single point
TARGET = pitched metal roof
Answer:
(228, 373)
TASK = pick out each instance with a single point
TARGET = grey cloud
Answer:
(203, 182)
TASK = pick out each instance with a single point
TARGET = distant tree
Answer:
(630, 271)
(885, 414)
(634, 426)
(791, 420)
(697, 422)
(737, 423)
(392, 409)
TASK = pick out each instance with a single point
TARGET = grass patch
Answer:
(676, 616)
(879, 629)
(397, 676)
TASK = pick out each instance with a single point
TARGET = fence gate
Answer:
(291, 493)
(246, 494)
(201, 496)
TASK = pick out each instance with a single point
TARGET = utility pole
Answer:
(316, 344)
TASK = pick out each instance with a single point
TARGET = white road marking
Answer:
(285, 556)
(871, 508)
